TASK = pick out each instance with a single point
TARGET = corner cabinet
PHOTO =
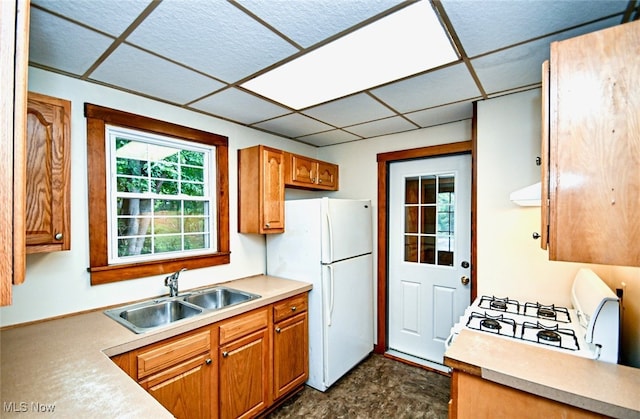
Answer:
(591, 148)
(260, 190)
(48, 174)
(307, 173)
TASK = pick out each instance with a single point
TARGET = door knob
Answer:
(464, 280)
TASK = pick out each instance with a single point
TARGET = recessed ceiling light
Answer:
(406, 42)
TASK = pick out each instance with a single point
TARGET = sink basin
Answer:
(150, 315)
(219, 297)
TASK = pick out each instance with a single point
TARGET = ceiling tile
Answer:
(451, 84)
(309, 22)
(170, 81)
(213, 37)
(350, 111)
(382, 127)
(335, 136)
(442, 114)
(294, 125)
(519, 21)
(60, 44)
(112, 17)
(521, 65)
(239, 106)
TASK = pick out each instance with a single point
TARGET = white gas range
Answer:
(589, 329)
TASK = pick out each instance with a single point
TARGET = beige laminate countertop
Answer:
(608, 389)
(64, 364)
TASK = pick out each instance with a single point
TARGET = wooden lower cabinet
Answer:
(290, 345)
(474, 397)
(236, 368)
(244, 371)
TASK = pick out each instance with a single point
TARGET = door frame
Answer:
(384, 160)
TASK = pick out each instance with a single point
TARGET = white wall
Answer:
(58, 283)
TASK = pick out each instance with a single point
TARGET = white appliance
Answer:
(591, 328)
(328, 242)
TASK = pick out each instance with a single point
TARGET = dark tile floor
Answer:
(377, 388)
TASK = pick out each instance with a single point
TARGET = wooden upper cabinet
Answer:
(48, 174)
(307, 173)
(260, 190)
(594, 147)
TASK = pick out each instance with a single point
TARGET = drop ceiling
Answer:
(205, 55)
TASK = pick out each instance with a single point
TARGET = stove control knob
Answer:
(464, 280)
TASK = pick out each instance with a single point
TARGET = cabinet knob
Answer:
(535, 235)
(278, 330)
(58, 236)
(266, 225)
(293, 308)
(225, 354)
(208, 361)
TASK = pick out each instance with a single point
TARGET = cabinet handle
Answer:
(208, 361)
(293, 308)
(278, 330)
(225, 354)
(58, 236)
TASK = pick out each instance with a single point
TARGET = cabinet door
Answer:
(244, 376)
(327, 176)
(272, 190)
(302, 171)
(185, 389)
(594, 169)
(290, 354)
(48, 166)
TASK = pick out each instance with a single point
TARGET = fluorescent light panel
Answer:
(406, 42)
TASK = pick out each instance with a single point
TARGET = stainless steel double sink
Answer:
(156, 313)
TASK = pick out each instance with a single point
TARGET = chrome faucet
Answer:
(172, 282)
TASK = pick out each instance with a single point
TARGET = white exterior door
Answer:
(429, 253)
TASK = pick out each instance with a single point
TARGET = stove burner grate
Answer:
(550, 335)
(493, 324)
(550, 312)
(499, 304)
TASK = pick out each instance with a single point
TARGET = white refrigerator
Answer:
(328, 242)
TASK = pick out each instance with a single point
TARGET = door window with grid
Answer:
(161, 196)
(429, 211)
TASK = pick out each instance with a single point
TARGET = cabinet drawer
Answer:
(164, 355)
(243, 325)
(289, 307)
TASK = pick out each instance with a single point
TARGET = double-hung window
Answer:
(161, 196)
(158, 196)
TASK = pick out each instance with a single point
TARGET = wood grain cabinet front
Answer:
(307, 173)
(590, 148)
(260, 190)
(290, 345)
(178, 373)
(245, 373)
(48, 174)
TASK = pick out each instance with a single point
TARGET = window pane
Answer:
(131, 167)
(428, 221)
(195, 225)
(133, 246)
(164, 187)
(134, 206)
(192, 158)
(446, 184)
(195, 241)
(167, 244)
(411, 219)
(428, 185)
(195, 208)
(192, 173)
(193, 189)
(411, 248)
(132, 184)
(411, 191)
(167, 225)
(134, 226)
(428, 249)
(167, 206)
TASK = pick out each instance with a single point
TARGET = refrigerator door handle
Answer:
(330, 237)
(331, 295)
